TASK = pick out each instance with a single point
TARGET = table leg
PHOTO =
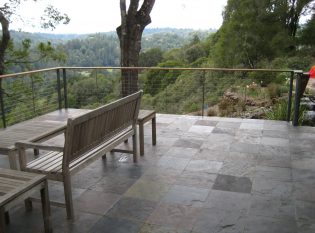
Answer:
(46, 208)
(154, 130)
(2, 220)
(12, 160)
(141, 138)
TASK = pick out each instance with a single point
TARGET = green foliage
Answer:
(151, 57)
(279, 112)
(158, 80)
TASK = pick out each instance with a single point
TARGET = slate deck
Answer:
(205, 175)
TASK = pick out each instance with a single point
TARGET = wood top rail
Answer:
(148, 68)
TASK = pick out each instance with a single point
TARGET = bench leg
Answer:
(7, 217)
(28, 204)
(12, 160)
(2, 220)
(154, 131)
(46, 208)
(141, 139)
(68, 196)
(134, 145)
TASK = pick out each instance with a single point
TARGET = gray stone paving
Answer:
(205, 175)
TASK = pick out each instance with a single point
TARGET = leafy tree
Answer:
(130, 32)
(50, 19)
(258, 30)
(152, 57)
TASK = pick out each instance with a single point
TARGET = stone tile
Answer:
(305, 212)
(273, 173)
(276, 134)
(188, 143)
(272, 207)
(257, 224)
(177, 216)
(85, 179)
(303, 191)
(232, 184)
(240, 157)
(148, 190)
(81, 224)
(56, 192)
(304, 164)
(275, 151)
(196, 179)
(244, 148)
(96, 202)
(173, 163)
(224, 131)
(113, 184)
(181, 152)
(218, 220)
(204, 166)
(252, 126)
(206, 122)
(274, 160)
(305, 227)
(230, 201)
(185, 195)
(270, 141)
(133, 171)
(232, 125)
(132, 208)
(208, 154)
(161, 175)
(248, 138)
(276, 126)
(200, 129)
(150, 228)
(238, 168)
(115, 225)
(272, 188)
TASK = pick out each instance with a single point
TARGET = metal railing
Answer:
(28, 94)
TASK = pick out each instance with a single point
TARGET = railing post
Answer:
(297, 99)
(4, 122)
(33, 95)
(290, 97)
(64, 76)
(59, 89)
(203, 92)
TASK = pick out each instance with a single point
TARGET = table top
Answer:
(37, 128)
(13, 183)
(143, 114)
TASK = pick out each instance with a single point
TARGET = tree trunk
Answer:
(130, 32)
(4, 41)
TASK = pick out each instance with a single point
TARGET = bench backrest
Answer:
(87, 131)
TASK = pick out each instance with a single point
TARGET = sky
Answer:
(104, 15)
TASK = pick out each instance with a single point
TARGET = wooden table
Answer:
(145, 116)
(16, 186)
(36, 129)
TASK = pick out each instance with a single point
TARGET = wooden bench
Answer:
(35, 130)
(87, 137)
(16, 186)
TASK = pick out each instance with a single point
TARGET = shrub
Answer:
(279, 112)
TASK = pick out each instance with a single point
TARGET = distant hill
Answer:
(102, 49)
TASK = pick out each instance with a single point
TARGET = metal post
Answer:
(4, 122)
(59, 89)
(297, 100)
(64, 76)
(290, 97)
(203, 92)
(33, 95)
